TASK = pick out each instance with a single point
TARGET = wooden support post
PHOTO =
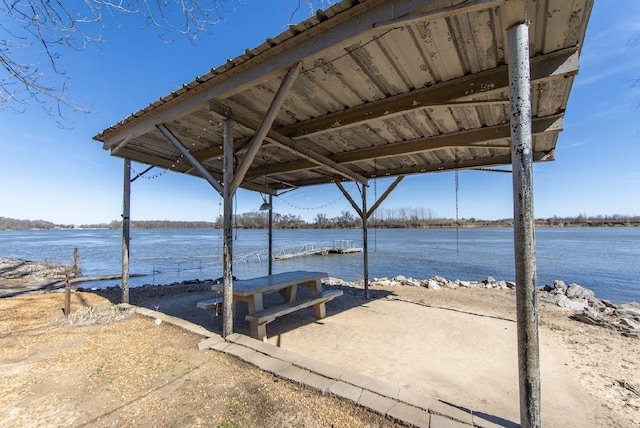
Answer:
(365, 242)
(523, 223)
(75, 263)
(270, 234)
(67, 295)
(126, 211)
(227, 266)
(362, 212)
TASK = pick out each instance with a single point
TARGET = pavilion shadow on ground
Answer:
(182, 304)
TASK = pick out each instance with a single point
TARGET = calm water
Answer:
(607, 260)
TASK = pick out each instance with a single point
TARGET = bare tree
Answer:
(35, 33)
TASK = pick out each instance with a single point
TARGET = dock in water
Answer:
(339, 246)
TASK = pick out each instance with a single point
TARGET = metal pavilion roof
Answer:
(383, 88)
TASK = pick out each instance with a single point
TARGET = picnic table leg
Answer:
(319, 309)
(255, 304)
(289, 294)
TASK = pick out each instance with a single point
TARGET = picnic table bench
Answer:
(253, 290)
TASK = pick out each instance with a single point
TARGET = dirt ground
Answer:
(456, 345)
(134, 373)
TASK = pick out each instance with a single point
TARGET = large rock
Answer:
(589, 316)
(626, 322)
(631, 309)
(564, 302)
(575, 291)
(432, 284)
(559, 286)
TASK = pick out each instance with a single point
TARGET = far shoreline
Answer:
(259, 220)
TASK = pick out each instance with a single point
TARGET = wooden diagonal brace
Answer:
(197, 165)
(350, 199)
(384, 195)
(265, 126)
(291, 145)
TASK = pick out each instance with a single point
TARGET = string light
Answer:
(311, 208)
(152, 176)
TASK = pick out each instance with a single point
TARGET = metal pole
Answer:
(126, 211)
(270, 234)
(523, 224)
(227, 251)
(365, 243)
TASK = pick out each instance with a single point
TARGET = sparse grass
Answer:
(227, 424)
(104, 314)
(556, 327)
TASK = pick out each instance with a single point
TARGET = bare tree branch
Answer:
(34, 34)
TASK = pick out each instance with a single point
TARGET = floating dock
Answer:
(317, 251)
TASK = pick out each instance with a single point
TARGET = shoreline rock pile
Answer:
(624, 318)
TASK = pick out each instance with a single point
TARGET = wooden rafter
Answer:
(439, 167)
(469, 138)
(554, 65)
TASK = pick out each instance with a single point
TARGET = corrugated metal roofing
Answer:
(379, 97)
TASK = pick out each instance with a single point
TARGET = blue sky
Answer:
(65, 177)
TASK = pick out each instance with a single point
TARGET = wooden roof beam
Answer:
(288, 144)
(448, 166)
(558, 64)
(467, 138)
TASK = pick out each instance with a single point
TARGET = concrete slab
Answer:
(246, 341)
(222, 346)
(438, 421)
(345, 391)
(277, 352)
(418, 400)
(293, 373)
(409, 414)
(383, 388)
(237, 350)
(233, 337)
(375, 402)
(255, 358)
(355, 378)
(451, 411)
(209, 342)
(273, 365)
(322, 368)
(317, 382)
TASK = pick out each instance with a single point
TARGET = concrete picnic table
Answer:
(253, 290)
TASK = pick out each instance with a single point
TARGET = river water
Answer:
(606, 260)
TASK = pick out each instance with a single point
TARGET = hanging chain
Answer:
(457, 182)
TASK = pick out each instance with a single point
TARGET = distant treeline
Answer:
(395, 218)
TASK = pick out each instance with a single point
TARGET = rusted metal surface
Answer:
(400, 71)
(524, 227)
